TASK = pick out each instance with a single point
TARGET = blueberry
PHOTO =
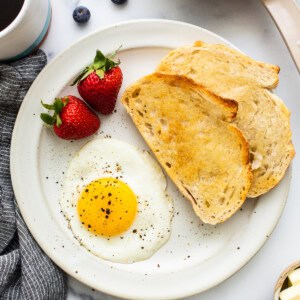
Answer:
(81, 14)
(118, 1)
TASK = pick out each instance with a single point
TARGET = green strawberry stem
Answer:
(49, 120)
(100, 65)
(57, 107)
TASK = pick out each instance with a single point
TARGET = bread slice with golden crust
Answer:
(219, 67)
(262, 116)
(264, 74)
(265, 121)
(187, 129)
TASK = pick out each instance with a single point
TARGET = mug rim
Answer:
(17, 20)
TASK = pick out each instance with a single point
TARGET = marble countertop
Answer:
(247, 25)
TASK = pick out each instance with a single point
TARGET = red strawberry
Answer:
(99, 83)
(72, 118)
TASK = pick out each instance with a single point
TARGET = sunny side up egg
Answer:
(114, 198)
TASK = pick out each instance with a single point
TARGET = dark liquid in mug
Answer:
(9, 11)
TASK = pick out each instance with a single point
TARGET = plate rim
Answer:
(31, 225)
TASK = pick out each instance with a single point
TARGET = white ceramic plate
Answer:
(197, 256)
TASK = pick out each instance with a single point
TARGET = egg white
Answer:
(152, 225)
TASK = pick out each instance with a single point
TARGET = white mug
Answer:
(27, 31)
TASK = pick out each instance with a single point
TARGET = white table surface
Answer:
(247, 25)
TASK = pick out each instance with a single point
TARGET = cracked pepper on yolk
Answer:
(107, 207)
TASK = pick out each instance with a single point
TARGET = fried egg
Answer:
(114, 198)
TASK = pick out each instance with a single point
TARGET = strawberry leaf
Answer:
(58, 105)
(47, 106)
(99, 60)
(49, 120)
(80, 76)
(113, 54)
(100, 73)
(87, 74)
(109, 64)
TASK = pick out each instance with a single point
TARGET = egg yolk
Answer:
(107, 207)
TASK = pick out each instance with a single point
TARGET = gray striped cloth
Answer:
(25, 271)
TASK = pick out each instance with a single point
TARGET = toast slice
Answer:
(262, 116)
(266, 125)
(188, 130)
(221, 67)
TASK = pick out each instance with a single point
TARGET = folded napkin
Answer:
(25, 271)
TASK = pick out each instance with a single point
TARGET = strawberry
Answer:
(99, 83)
(72, 118)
